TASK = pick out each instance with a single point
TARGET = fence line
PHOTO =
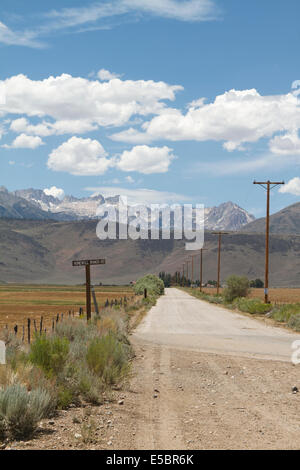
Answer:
(59, 317)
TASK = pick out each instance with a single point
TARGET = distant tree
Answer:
(212, 283)
(153, 284)
(257, 284)
(236, 287)
(166, 278)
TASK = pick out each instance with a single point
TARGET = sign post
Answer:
(88, 263)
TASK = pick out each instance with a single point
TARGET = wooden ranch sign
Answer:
(88, 263)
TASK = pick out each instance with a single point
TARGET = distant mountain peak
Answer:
(36, 204)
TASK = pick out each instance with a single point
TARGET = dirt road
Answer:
(182, 321)
(203, 378)
(207, 378)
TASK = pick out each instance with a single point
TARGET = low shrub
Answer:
(254, 306)
(72, 329)
(215, 299)
(283, 313)
(294, 322)
(65, 397)
(236, 287)
(152, 283)
(107, 357)
(90, 387)
(20, 410)
(49, 353)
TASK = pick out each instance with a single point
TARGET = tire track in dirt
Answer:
(158, 426)
(145, 430)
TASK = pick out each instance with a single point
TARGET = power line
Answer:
(219, 256)
(201, 267)
(192, 277)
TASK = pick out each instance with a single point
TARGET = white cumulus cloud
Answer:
(292, 187)
(55, 192)
(287, 144)
(46, 128)
(146, 160)
(236, 117)
(79, 156)
(104, 75)
(26, 142)
(73, 102)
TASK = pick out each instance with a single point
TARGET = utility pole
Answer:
(268, 186)
(201, 268)
(183, 283)
(219, 257)
(192, 277)
(187, 272)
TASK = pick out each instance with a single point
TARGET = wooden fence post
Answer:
(28, 326)
(41, 325)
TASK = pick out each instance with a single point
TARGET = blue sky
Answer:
(191, 99)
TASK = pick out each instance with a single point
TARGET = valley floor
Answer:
(203, 378)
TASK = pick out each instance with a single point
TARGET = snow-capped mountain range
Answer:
(36, 204)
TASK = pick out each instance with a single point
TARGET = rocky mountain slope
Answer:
(42, 251)
(16, 207)
(226, 216)
(285, 221)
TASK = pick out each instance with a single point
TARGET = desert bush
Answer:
(30, 377)
(283, 313)
(65, 397)
(107, 357)
(72, 329)
(254, 306)
(149, 301)
(49, 353)
(20, 410)
(215, 299)
(236, 287)
(294, 322)
(90, 387)
(7, 376)
(77, 382)
(111, 320)
(152, 283)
